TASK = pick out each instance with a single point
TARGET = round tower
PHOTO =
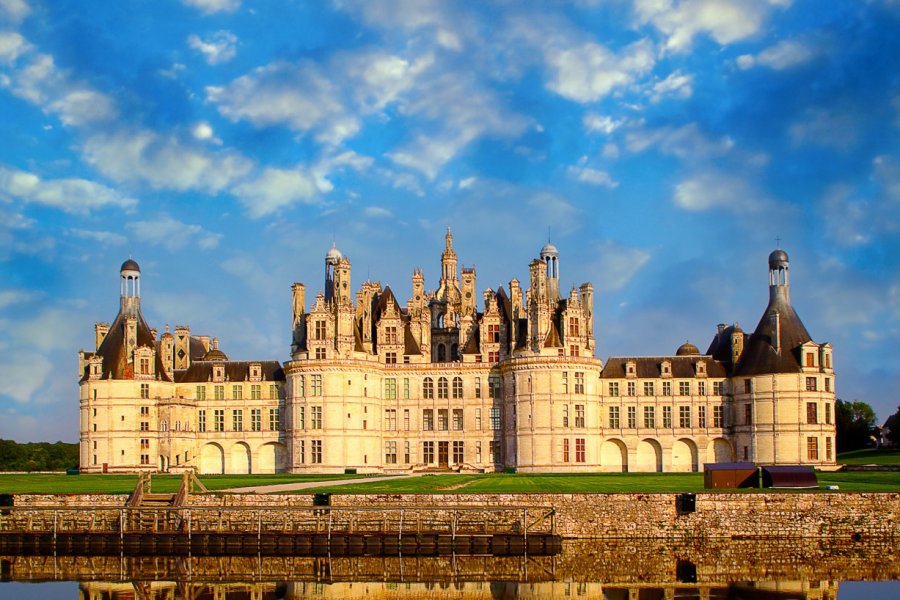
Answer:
(130, 287)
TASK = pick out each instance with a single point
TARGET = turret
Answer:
(130, 288)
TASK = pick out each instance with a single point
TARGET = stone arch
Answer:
(719, 450)
(649, 456)
(271, 458)
(239, 462)
(614, 456)
(212, 459)
(684, 456)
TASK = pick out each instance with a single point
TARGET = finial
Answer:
(777, 242)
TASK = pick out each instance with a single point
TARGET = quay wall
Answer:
(835, 516)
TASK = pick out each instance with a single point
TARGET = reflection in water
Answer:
(613, 570)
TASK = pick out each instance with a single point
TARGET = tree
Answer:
(854, 422)
(893, 426)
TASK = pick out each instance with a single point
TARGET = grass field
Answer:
(870, 457)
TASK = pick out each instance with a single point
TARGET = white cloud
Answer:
(203, 131)
(377, 212)
(214, 6)
(676, 85)
(615, 265)
(378, 78)
(783, 55)
(51, 329)
(591, 176)
(275, 189)
(596, 123)
(726, 21)
(12, 45)
(71, 195)
(14, 10)
(835, 128)
(217, 48)
(11, 297)
(23, 374)
(715, 190)
(324, 167)
(104, 238)
(588, 72)
(172, 234)
(847, 218)
(685, 142)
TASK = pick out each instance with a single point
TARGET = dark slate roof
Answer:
(649, 367)
(410, 346)
(384, 299)
(720, 346)
(552, 340)
(113, 351)
(235, 370)
(357, 338)
(197, 349)
(760, 356)
(472, 345)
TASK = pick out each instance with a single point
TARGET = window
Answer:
(811, 384)
(810, 359)
(390, 453)
(428, 452)
(573, 350)
(457, 419)
(428, 388)
(443, 420)
(494, 386)
(495, 456)
(201, 392)
(273, 419)
(477, 419)
(648, 388)
(315, 385)
(667, 417)
(565, 382)
(828, 448)
(145, 459)
(812, 448)
(478, 387)
(219, 392)
(145, 390)
(812, 413)
(201, 420)
(565, 418)
(319, 330)
(667, 388)
(579, 415)
(237, 392)
(390, 335)
(493, 356)
(237, 420)
(632, 417)
(255, 392)
(613, 388)
(579, 450)
(302, 452)
(406, 419)
(828, 413)
(701, 388)
(428, 419)
(406, 452)
(300, 385)
(315, 451)
(390, 419)
(573, 326)
(320, 354)
(457, 388)
(718, 388)
(273, 391)
(717, 416)
(256, 419)
(701, 416)
(145, 412)
(442, 388)
(684, 388)
(478, 452)
(747, 386)
(827, 361)
(614, 417)
(493, 333)
(145, 366)
(827, 384)
(495, 419)
(390, 358)
(565, 450)
(458, 452)
(390, 388)
(145, 444)
(684, 416)
(631, 389)
(649, 417)
(748, 414)
(219, 417)
(579, 382)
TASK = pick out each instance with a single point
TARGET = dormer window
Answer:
(255, 372)
(666, 368)
(218, 373)
(631, 369)
(701, 368)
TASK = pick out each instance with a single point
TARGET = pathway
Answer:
(306, 485)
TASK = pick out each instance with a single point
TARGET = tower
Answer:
(332, 259)
(130, 288)
(550, 258)
(448, 260)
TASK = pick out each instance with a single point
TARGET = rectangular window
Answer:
(565, 382)
(390, 358)
(145, 366)
(667, 417)
(827, 384)
(701, 388)
(442, 389)
(478, 387)
(390, 388)
(684, 416)
(145, 444)
(632, 417)
(219, 416)
(565, 450)
(493, 356)
(828, 449)
(648, 388)
(219, 392)
(477, 419)
(828, 413)
(493, 333)
(406, 452)
(701, 416)
(443, 419)
(458, 453)
(145, 412)
(812, 413)
(579, 415)
(390, 335)
(302, 452)
(684, 388)
(145, 459)
(315, 451)
(428, 452)
(145, 390)
(428, 388)
(495, 419)
(494, 385)
(718, 388)
(494, 454)
(811, 384)
(748, 414)
(201, 392)
(315, 417)
(301, 417)
(256, 419)
(614, 417)
(613, 388)
(812, 448)
(748, 387)
(649, 417)
(319, 330)
(457, 389)
(201, 421)
(390, 419)
(717, 416)
(667, 388)
(478, 452)
(237, 392)
(631, 389)
(579, 382)
(237, 420)
(457, 419)
(565, 412)
(273, 419)
(428, 419)
(810, 359)
(573, 350)
(406, 419)
(579, 450)
(315, 385)
(390, 453)
(406, 388)
(320, 353)
(273, 391)
(255, 392)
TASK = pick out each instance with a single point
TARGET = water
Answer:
(612, 570)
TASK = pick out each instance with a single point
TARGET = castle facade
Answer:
(453, 380)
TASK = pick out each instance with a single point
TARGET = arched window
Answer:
(164, 425)
(457, 388)
(442, 387)
(428, 388)
(442, 353)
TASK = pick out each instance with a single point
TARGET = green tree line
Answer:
(37, 456)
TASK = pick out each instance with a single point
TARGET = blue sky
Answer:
(663, 144)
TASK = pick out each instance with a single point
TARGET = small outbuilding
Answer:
(730, 475)
(789, 476)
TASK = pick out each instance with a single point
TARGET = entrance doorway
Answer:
(444, 454)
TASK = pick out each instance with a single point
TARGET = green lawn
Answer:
(869, 457)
